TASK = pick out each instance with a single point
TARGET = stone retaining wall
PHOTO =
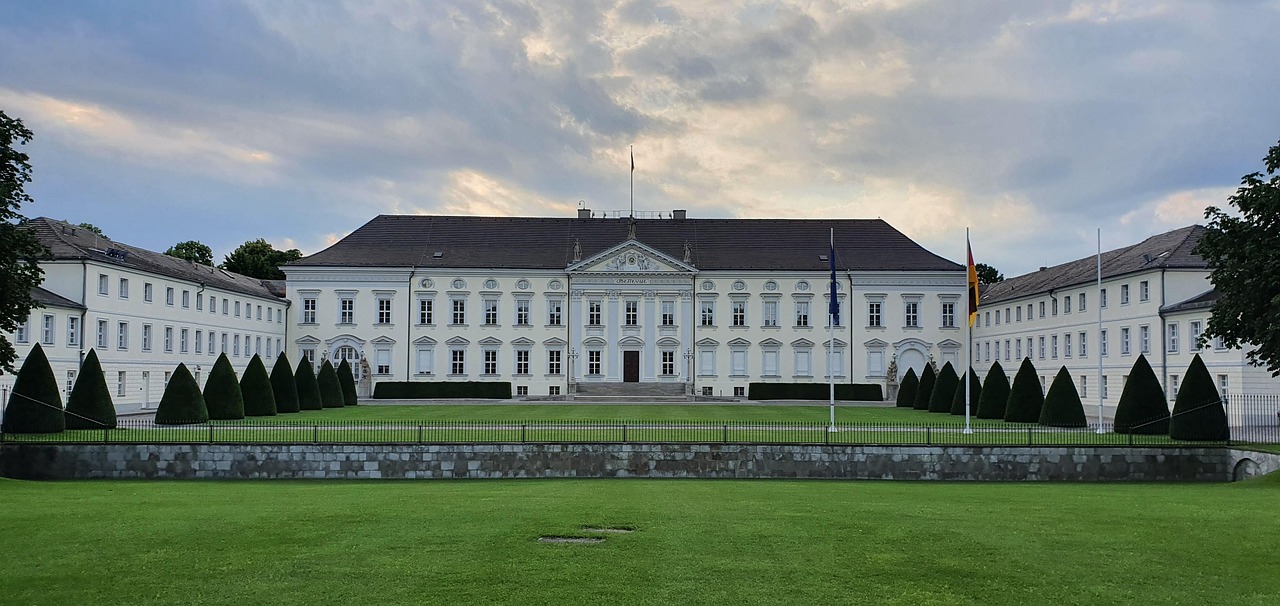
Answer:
(245, 461)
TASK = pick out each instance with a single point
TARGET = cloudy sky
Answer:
(1032, 121)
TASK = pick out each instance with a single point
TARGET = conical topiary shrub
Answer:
(255, 387)
(1026, 397)
(283, 386)
(975, 394)
(348, 381)
(222, 392)
(89, 406)
(308, 389)
(35, 406)
(1062, 406)
(944, 388)
(182, 402)
(1198, 413)
(995, 394)
(925, 391)
(1142, 408)
(907, 391)
(330, 388)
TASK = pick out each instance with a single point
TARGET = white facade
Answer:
(627, 314)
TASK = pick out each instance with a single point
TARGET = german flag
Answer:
(973, 283)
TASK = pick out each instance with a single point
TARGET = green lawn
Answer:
(696, 542)
(608, 412)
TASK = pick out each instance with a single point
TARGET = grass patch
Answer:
(696, 542)
(607, 412)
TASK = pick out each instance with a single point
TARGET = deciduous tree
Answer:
(193, 251)
(258, 259)
(20, 251)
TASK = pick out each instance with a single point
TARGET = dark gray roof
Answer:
(1203, 300)
(547, 243)
(1169, 250)
(44, 298)
(67, 241)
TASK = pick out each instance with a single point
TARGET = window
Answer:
(1029, 341)
(120, 383)
(1017, 346)
(199, 303)
(346, 310)
(1124, 294)
(873, 314)
(1006, 350)
(1219, 344)
(913, 314)
(738, 362)
(986, 319)
(1173, 387)
(1081, 305)
(1084, 386)
(382, 365)
(47, 329)
(1144, 338)
(1066, 304)
(1124, 341)
(1144, 291)
(769, 363)
(770, 313)
(804, 366)
(1042, 310)
(1222, 385)
(668, 313)
(73, 331)
(168, 296)
(269, 309)
(522, 390)
(20, 334)
(553, 361)
(631, 313)
(459, 313)
(308, 353)
(146, 292)
(102, 334)
(1066, 344)
(226, 306)
(124, 288)
(146, 337)
(1054, 306)
(739, 313)
(122, 335)
(1173, 337)
(425, 355)
(553, 390)
(522, 312)
(168, 339)
(235, 345)
(593, 312)
(491, 312)
(490, 361)
(668, 363)
(1102, 344)
(997, 317)
(384, 311)
(1104, 387)
(237, 312)
(308, 310)
(186, 299)
(522, 361)
(555, 312)
(708, 391)
(213, 307)
(949, 315)
(257, 344)
(102, 284)
(1102, 298)
(1084, 348)
(1017, 312)
(986, 348)
(1196, 330)
(426, 311)
(593, 362)
(458, 362)
(708, 308)
(1042, 347)
(739, 391)
(258, 315)
(199, 341)
(802, 313)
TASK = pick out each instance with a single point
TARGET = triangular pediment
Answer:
(631, 256)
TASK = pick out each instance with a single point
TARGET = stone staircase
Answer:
(617, 392)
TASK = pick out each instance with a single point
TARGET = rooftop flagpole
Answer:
(833, 318)
(633, 182)
(973, 313)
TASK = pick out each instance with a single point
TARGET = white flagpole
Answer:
(969, 338)
(1099, 344)
(831, 342)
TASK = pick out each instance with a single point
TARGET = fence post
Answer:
(726, 434)
(315, 434)
(419, 433)
(624, 433)
(522, 428)
(1028, 436)
(106, 434)
(928, 436)
(211, 433)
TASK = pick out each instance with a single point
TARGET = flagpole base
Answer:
(832, 429)
(967, 431)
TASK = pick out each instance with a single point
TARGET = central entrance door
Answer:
(630, 367)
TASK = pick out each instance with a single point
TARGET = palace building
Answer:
(659, 304)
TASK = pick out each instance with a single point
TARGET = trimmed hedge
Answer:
(995, 393)
(330, 388)
(1198, 413)
(283, 386)
(1026, 397)
(35, 404)
(815, 391)
(304, 378)
(975, 395)
(348, 381)
(907, 391)
(182, 402)
(222, 395)
(1142, 408)
(422, 390)
(255, 386)
(89, 406)
(927, 380)
(1062, 406)
(944, 389)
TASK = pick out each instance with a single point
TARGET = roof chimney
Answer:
(1042, 268)
(678, 214)
(584, 213)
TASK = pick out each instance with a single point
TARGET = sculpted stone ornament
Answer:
(577, 250)
(893, 369)
(688, 252)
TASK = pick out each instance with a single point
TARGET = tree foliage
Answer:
(975, 395)
(1062, 406)
(89, 406)
(91, 228)
(907, 391)
(330, 389)
(995, 393)
(944, 388)
(222, 391)
(1142, 408)
(348, 381)
(255, 387)
(182, 402)
(283, 385)
(308, 389)
(1243, 253)
(259, 259)
(1026, 397)
(20, 251)
(1198, 413)
(925, 391)
(987, 274)
(193, 251)
(35, 404)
